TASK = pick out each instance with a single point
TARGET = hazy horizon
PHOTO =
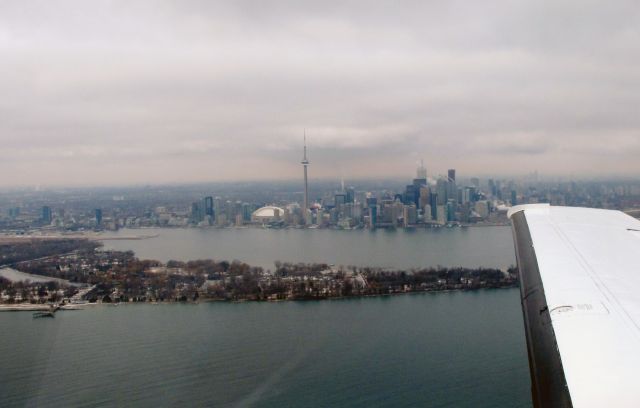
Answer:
(115, 93)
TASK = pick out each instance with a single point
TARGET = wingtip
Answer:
(518, 208)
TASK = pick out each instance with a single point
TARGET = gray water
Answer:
(468, 247)
(16, 276)
(457, 349)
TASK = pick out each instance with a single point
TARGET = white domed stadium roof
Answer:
(268, 212)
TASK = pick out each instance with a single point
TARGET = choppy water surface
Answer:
(457, 349)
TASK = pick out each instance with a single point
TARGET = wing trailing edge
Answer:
(579, 275)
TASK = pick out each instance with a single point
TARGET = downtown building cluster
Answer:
(424, 202)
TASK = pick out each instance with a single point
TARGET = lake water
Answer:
(468, 247)
(455, 349)
(16, 276)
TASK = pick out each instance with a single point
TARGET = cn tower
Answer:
(305, 163)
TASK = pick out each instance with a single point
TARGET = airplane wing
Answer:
(580, 289)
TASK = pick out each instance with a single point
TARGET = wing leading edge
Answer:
(579, 283)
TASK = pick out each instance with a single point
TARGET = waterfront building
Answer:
(409, 215)
(237, 209)
(385, 213)
(482, 208)
(247, 210)
(197, 213)
(373, 215)
(345, 223)
(229, 210)
(441, 214)
(451, 208)
(397, 210)
(221, 220)
(267, 214)
(427, 214)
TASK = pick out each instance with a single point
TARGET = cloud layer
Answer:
(114, 92)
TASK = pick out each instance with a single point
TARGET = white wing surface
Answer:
(580, 287)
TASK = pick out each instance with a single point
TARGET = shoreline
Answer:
(29, 307)
(98, 236)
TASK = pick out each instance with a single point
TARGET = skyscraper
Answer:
(351, 194)
(305, 163)
(197, 212)
(452, 175)
(442, 190)
(422, 171)
(46, 214)
(208, 206)
(98, 213)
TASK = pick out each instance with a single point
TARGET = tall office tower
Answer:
(196, 212)
(351, 194)
(409, 215)
(433, 203)
(442, 189)
(451, 210)
(305, 164)
(247, 209)
(422, 171)
(46, 214)
(424, 197)
(409, 195)
(373, 215)
(98, 216)
(451, 174)
(396, 212)
(208, 206)
(414, 190)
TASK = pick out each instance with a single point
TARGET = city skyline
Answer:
(474, 172)
(165, 92)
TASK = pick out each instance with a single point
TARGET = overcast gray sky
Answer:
(118, 92)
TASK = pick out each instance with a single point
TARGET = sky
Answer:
(128, 92)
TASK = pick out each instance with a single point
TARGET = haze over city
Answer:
(111, 92)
